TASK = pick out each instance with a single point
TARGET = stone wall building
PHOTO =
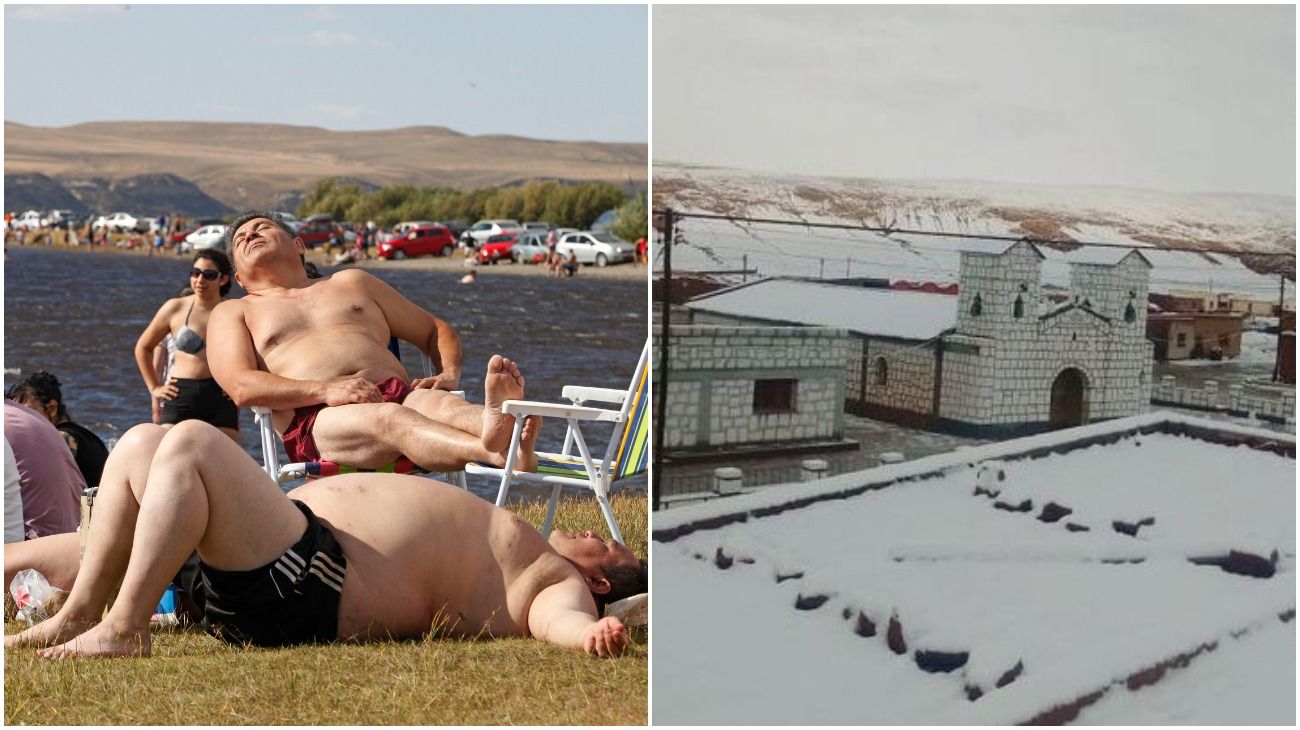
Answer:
(996, 360)
(730, 387)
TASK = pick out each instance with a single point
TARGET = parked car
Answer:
(209, 236)
(483, 230)
(179, 236)
(61, 218)
(29, 220)
(290, 220)
(320, 231)
(541, 227)
(496, 248)
(600, 249)
(456, 227)
(530, 249)
(122, 222)
(430, 240)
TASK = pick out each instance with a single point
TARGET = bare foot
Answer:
(527, 460)
(503, 382)
(56, 629)
(104, 640)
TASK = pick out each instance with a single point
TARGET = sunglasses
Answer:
(207, 274)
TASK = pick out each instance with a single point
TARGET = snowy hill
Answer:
(1067, 215)
(1218, 221)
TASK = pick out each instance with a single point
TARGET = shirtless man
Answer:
(315, 352)
(354, 557)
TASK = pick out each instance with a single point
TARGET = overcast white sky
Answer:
(1192, 99)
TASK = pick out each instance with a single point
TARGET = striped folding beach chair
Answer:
(626, 455)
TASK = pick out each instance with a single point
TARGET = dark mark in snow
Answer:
(941, 661)
(783, 577)
(722, 560)
(1011, 675)
(865, 627)
(1053, 512)
(1026, 505)
(809, 603)
(1076, 527)
(894, 636)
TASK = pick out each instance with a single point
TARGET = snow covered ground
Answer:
(764, 619)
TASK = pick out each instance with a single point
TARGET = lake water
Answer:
(78, 314)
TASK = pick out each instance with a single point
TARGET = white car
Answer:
(483, 230)
(210, 236)
(119, 222)
(600, 249)
(29, 220)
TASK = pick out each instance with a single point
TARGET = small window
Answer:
(774, 396)
(1019, 309)
(880, 372)
(1130, 314)
(1182, 339)
(977, 306)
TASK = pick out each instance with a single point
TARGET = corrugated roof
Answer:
(871, 311)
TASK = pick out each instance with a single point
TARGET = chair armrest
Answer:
(583, 394)
(557, 410)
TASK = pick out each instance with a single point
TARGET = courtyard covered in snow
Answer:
(1137, 571)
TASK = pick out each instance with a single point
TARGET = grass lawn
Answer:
(193, 678)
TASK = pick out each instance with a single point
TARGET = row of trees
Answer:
(567, 206)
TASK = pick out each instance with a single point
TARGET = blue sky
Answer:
(546, 72)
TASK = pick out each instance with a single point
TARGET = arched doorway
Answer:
(1069, 399)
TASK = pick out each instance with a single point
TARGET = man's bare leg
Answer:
(203, 491)
(502, 382)
(371, 435)
(108, 546)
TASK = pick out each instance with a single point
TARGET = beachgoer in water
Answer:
(42, 393)
(469, 278)
(370, 557)
(190, 390)
(314, 351)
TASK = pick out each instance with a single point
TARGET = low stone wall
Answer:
(1260, 401)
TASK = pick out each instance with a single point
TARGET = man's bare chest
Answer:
(330, 312)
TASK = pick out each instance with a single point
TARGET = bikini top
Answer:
(187, 340)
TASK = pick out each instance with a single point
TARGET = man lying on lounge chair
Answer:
(315, 352)
(353, 557)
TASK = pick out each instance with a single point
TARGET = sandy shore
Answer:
(450, 264)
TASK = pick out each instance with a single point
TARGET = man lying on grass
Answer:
(351, 557)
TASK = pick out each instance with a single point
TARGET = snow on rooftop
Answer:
(1077, 611)
(824, 253)
(884, 312)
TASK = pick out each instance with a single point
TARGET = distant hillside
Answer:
(1224, 222)
(268, 165)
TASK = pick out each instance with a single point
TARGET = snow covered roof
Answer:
(872, 311)
(1104, 255)
(901, 595)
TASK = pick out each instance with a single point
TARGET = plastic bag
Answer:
(37, 600)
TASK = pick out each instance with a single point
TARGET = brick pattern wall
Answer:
(909, 374)
(714, 369)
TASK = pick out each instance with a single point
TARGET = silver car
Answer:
(600, 249)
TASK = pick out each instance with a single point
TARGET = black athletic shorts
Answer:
(292, 600)
(200, 400)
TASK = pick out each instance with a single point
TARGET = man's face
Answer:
(590, 551)
(256, 235)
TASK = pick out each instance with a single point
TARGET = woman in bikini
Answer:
(190, 392)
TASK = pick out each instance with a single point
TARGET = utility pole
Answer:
(1277, 349)
(661, 378)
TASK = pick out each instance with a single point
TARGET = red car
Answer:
(496, 248)
(421, 241)
(316, 232)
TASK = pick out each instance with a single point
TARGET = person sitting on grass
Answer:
(353, 557)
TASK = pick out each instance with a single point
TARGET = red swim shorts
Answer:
(298, 441)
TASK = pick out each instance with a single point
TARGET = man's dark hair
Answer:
(222, 262)
(625, 581)
(249, 215)
(42, 386)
